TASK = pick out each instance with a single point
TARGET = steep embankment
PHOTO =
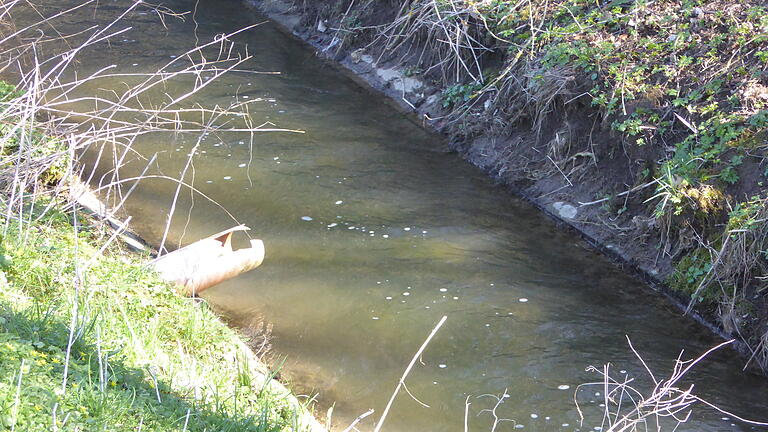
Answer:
(641, 124)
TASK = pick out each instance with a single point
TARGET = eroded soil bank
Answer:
(650, 176)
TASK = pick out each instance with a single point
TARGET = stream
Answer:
(374, 232)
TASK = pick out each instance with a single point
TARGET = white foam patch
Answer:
(306, 218)
(523, 300)
(227, 177)
(339, 202)
(242, 165)
(563, 387)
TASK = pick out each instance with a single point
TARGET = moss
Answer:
(689, 273)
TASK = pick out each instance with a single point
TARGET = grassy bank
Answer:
(92, 340)
(649, 117)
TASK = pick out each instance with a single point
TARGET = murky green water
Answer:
(373, 233)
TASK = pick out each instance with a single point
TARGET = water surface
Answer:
(373, 233)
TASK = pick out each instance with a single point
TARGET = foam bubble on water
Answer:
(339, 202)
(455, 298)
(332, 225)
(306, 218)
(385, 236)
(351, 228)
(406, 229)
(487, 325)
(443, 289)
(135, 64)
(519, 426)
(276, 158)
(371, 235)
(597, 393)
(434, 382)
(442, 366)
(534, 416)
(209, 181)
(245, 96)
(388, 298)
(547, 418)
(406, 293)
(427, 307)
(424, 232)
(623, 371)
(565, 425)
(523, 300)
(375, 318)
(227, 177)
(563, 387)
(217, 145)
(378, 282)
(242, 165)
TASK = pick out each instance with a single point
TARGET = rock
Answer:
(565, 210)
(400, 83)
(357, 55)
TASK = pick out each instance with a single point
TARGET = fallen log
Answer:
(207, 262)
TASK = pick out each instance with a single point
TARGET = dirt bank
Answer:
(608, 169)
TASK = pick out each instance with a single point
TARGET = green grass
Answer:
(140, 356)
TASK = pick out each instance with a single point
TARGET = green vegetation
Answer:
(674, 93)
(97, 342)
